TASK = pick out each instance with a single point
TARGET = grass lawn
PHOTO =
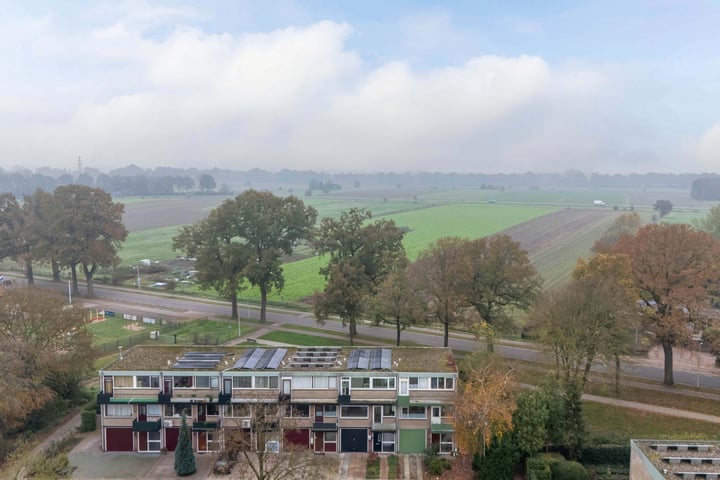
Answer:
(294, 338)
(618, 425)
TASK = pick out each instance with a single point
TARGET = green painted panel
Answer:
(412, 440)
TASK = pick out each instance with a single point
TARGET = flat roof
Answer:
(154, 358)
(673, 459)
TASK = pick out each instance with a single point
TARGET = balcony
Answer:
(284, 397)
(343, 400)
(324, 427)
(205, 426)
(224, 398)
(146, 425)
(164, 397)
(103, 398)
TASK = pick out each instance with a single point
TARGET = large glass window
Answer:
(384, 383)
(302, 382)
(360, 382)
(237, 410)
(123, 381)
(206, 382)
(213, 409)
(441, 383)
(182, 382)
(412, 412)
(242, 382)
(153, 441)
(177, 409)
(118, 410)
(388, 442)
(330, 411)
(297, 410)
(266, 382)
(147, 381)
(354, 411)
(154, 410)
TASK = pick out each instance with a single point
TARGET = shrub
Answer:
(372, 467)
(538, 469)
(569, 470)
(88, 420)
(606, 455)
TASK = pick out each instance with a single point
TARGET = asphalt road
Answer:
(151, 303)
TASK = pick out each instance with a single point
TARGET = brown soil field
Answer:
(168, 211)
(554, 242)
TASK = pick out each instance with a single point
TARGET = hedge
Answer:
(606, 455)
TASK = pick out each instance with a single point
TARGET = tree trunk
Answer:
(29, 274)
(263, 305)
(490, 341)
(351, 325)
(447, 333)
(234, 306)
(73, 272)
(397, 324)
(55, 271)
(617, 376)
(89, 274)
(667, 348)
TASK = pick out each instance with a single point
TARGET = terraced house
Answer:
(329, 399)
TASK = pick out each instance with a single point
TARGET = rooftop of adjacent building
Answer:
(679, 458)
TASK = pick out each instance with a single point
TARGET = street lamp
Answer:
(137, 269)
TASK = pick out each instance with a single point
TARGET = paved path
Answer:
(673, 412)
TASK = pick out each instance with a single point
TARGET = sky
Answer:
(484, 86)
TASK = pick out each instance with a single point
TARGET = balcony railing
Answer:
(146, 425)
(164, 397)
(224, 398)
(343, 399)
(103, 398)
(205, 426)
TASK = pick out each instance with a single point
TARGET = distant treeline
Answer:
(706, 188)
(133, 180)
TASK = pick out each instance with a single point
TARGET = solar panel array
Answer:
(261, 358)
(314, 357)
(206, 360)
(370, 359)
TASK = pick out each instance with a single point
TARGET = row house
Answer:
(325, 399)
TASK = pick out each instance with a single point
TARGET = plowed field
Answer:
(555, 241)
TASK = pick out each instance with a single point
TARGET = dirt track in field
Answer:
(552, 229)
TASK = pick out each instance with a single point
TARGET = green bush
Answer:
(88, 420)
(538, 469)
(569, 470)
(56, 466)
(438, 465)
(606, 455)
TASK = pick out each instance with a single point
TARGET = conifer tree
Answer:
(184, 456)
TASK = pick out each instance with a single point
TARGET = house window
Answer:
(360, 382)
(147, 381)
(153, 441)
(182, 382)
(444, 442)
(123, 381)
(212, 409)
(206, 382)
(320, 382)
(330, 439)
(412, 412)
(354, 411)
(302, 382)
(118, 410)
(384, 383)
(419, 383)
(388, 411)
(177, 409)
(266, 382)
(330, 411)
(297, 410)
(242, 382)
(237, 410)
(154, 410)
(441, 383)
(388, 442)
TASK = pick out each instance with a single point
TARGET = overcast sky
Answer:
(482, 86)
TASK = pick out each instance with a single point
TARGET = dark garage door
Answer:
(353, 440)
(119, 439)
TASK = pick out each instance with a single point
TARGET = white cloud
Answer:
(296, 97)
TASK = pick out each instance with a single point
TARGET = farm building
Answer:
(663, 459)
(329, 399)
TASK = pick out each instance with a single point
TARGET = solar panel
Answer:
(265, 359)
(199, 360)
(254, 358)
(243, 358)
(277, 358)
(386, 359)
(363, 359)
(352, 362)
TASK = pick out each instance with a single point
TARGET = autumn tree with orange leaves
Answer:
(485, 404)
(672, 266)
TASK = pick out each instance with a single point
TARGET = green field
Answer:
(293, 338)
(525, 195)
